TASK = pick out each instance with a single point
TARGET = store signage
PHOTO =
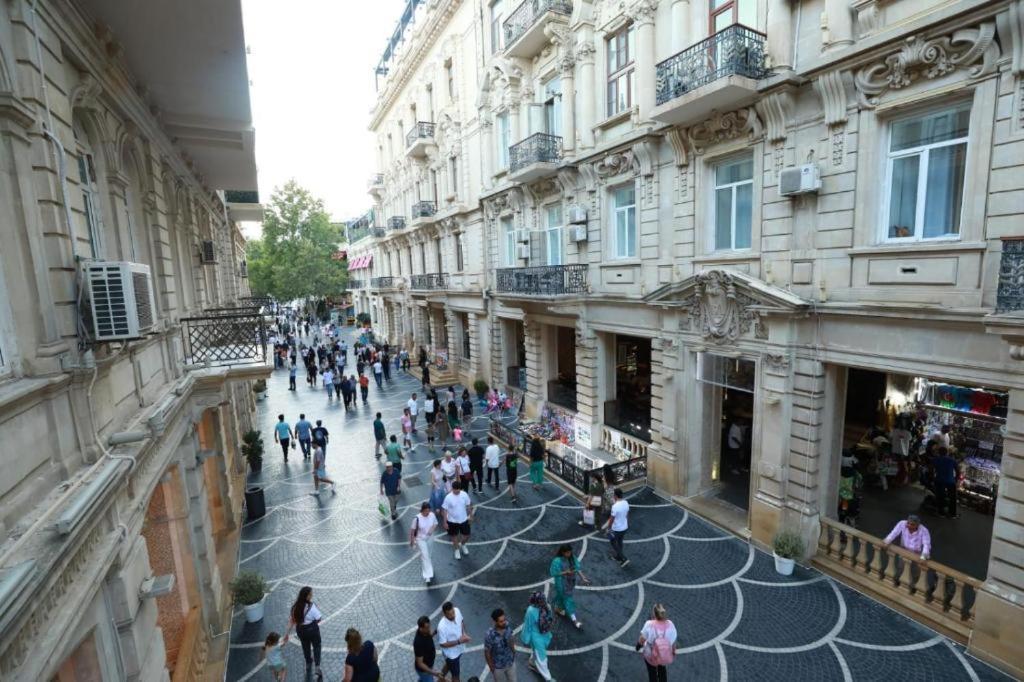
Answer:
(583, 435)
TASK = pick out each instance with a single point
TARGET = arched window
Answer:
(89, 228)
(132, 212)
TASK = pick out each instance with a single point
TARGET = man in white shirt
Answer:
(422, 528)
(414, 409)
(492, 458)
(617, 525)
(328, 382)
(378, 372)
(457, 514)
(451, 635)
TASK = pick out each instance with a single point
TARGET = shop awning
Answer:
(360, 262)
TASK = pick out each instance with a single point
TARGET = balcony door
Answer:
(553, 235)
(724, 13)
(553, 106)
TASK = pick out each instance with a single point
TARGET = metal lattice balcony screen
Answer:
(736, 50)
(423, 209)
(224, 337)
(396, 223)
(1010, 294)
(543, 280)
(422, 130)
(355, 284)
(537, 148)
(382, 282)
(528, 13)
(433, 280)
(378, 231)
(236, 196)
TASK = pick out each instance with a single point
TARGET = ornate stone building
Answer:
(735, 238)
(121, 127)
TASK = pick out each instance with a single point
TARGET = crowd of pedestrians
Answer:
(466, 467)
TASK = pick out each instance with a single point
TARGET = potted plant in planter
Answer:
(363, 319)
(260, 389)
(480, 386)
(252, 450)
(250, 590)
(787, 547)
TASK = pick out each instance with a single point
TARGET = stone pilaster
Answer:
(473, 364)
(534, 362)
(201, 533)
(587, 408)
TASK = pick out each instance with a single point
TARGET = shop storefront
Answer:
(561, 386)
(630, 410)
(919, 445)
(514, 355)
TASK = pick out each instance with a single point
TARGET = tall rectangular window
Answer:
(453, 174)
(497, 9)
(624, 215)
(503, 139)
(553, 106)
(620, 49)
(553, 234)
(926, 167)
(460, 259)
(734, 192)
(449, 78)
(508, 235)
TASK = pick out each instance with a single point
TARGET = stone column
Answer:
(514, 127)
(534, 364)
(643, 14)
(780, 34)
(681, 33)
(568, 64)
(486, 151)
(449, 332)
(588, 87)
(839, 21)
(586, 386)
(201, 533)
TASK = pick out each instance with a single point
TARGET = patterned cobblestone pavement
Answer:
(736, 617)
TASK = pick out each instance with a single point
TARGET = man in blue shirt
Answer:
(283, 434)
(304, 432)
(391, 485)
(946, 471)
(292, 372)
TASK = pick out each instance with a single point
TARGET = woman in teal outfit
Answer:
(536, 634)
(565, 570)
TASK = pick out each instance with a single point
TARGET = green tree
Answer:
(294, 257)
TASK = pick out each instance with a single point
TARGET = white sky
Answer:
(311, 66)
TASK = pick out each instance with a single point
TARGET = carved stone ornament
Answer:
(721, 127)
(585, 52)
(720, 312)
(86, 92)
(497, 205)
(614, 164)
(777, 361)
(971, 48)
(643, 11)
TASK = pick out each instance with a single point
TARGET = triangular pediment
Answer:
(732, 283)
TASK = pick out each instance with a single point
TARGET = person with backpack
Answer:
(657, 642)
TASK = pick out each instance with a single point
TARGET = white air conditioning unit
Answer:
(523, 251)
(578, 233)
(207, 252)
(799, 180)
(577, 215)
(121, 300)
(522, 236)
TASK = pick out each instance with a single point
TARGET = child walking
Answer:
(320, 471)
(275, 657)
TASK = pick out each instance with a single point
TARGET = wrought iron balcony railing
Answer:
(527, 14)
(433, 280)
(537, 148)
(733, 51)
(357, 233)
(237, 196)
(225, 337)
(383, 282)
(356, 284)
(376, 180)
(1010, 294)
(378, 231)
(423, 209)
(396, 222)
(543, 280)
(421, 130)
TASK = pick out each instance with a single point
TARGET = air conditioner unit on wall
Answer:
(578, 233)
(207, 252)
(799, 180)
(577, 215)
(523, 236)
(523, 251)
(120, 300)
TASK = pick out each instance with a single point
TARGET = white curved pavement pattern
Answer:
(737, 618)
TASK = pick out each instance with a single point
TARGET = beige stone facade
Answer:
(604, 170)
(121, 461)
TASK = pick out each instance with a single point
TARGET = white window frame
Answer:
(715, 246)
(627, 70)
(923, 152)
(508, 230)
(502, 137)
(552, 94)
(617, 250)
(497, 30)
(554, 236)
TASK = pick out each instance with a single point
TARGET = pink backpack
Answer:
(660, 651)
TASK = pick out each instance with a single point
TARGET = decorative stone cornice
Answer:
(775, 109)
(721, 127)
(974, 49)
(677, 140)
(1011, 35)
(643, 11)
(831, 88)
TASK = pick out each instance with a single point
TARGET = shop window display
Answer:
(914, 445)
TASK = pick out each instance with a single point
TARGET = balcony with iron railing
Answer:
(535, 157)
(718, 73)
(381, 283)
(396, 222)
(524, 31)
(423, 212)
(419, 139)
(358, 230)
(376, 184)
(1010, 291)
(430, 281)
(378, 232)
(243, 204)
(543, 280)
(225, 336)
(354, 284)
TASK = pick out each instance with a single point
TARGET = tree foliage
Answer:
(293, 259)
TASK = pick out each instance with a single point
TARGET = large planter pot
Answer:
(256, 466)
(783, 566)
(255, 505)
(254, 612)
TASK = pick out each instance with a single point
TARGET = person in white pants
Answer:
(423, 527)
